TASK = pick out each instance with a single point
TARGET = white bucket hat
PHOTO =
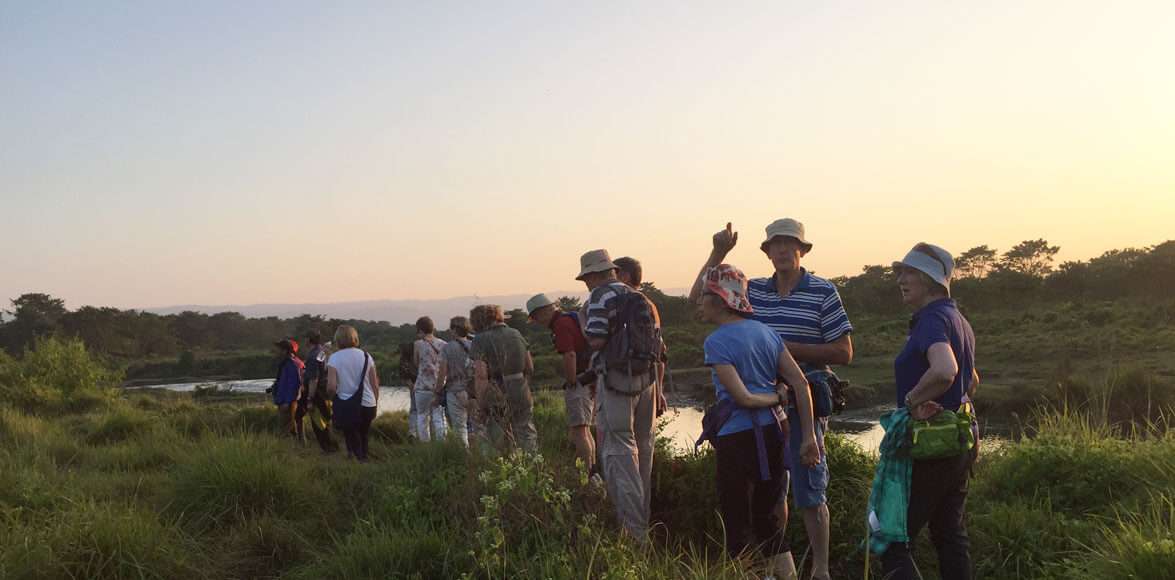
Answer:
(537, 301)
(931, 260)
(786, 227)
(594, 261)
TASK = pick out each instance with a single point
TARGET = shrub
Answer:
(56, 375)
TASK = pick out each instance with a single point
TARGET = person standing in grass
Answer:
(287, 387)
(455, 375)
(578, 398)
(426, 354)
(353, 382)
(807, 313)
(314, 402)
(623, 333)
(502, 367)
(631, 273)
(746, 357)
(934, 371)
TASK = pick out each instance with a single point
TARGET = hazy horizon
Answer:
(303, 153)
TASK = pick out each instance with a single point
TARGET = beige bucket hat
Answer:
(594, 261)
(786, 227)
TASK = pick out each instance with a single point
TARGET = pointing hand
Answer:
(725, 240)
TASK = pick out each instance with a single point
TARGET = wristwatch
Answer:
(909, 403)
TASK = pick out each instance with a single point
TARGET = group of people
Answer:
(770, 354)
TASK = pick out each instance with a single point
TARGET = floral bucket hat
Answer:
(729, 284)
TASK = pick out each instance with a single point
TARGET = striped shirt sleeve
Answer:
(600, 311)
(834, 321)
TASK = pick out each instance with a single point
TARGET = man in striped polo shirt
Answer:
(807, 313)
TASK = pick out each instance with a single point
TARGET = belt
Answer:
(513, 377)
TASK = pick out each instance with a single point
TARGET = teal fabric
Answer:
(890, 499)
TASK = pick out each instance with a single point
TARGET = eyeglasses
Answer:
(925, 250)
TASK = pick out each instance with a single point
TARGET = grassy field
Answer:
(106, 484)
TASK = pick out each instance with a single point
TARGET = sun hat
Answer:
(931, 260)
(537, 301)
(786, 227)
(594, 261)
(729, 284)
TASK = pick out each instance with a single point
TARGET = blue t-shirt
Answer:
(939, 321)
(752, 348)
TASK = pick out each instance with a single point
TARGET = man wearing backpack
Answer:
(626, 339)
(630, 271)
(807, 313)
(579, 398)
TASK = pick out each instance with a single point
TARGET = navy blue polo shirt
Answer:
(939, 321)
(811, 314)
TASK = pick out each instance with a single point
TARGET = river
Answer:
(682, 424)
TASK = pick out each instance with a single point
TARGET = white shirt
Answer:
(348, 363)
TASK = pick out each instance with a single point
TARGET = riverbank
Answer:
(103, 485)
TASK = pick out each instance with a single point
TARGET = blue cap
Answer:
(931, 260)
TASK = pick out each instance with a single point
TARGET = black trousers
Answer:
(748, 504)
(938, 494)
(356, 437)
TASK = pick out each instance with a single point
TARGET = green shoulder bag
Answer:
(947, 434)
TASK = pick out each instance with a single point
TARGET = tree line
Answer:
(984, 278)
(1026, 274)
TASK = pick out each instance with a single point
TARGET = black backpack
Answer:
(634, 340)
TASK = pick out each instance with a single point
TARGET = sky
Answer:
(156, 153)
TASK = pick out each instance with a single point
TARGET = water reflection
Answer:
(681, 425)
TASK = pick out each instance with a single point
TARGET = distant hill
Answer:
(393, 311)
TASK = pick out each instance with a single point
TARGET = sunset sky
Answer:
(157, 153)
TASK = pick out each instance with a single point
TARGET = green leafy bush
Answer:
(56, 375)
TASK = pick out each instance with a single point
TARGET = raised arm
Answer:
(723, 242)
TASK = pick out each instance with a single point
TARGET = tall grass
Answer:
(160, 485)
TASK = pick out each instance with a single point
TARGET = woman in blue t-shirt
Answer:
(287, 387)
(934, 371)
(746, 357)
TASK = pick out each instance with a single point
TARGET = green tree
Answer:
(33, 315)
(517, 319)
(673, 309)
(191, 329)
(1031, 257)
(975, 263)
